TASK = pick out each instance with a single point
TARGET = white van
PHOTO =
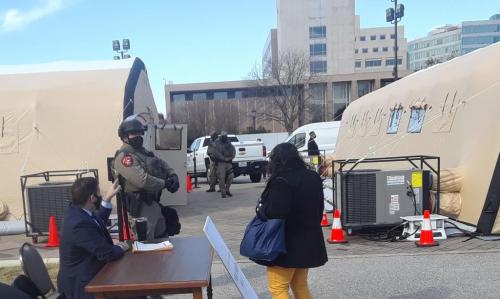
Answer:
(326, 137)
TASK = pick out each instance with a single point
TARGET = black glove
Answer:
(172, 183)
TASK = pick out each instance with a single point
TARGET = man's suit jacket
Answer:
(85, 248)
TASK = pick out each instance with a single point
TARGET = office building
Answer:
(449, 41)
(441, 44)
(479, 34)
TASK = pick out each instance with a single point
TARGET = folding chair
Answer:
(35, 269)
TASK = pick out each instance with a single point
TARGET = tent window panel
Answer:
(168, 138)
(393, 126)
(416, 120)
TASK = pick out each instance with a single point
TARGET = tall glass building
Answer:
(479, 34)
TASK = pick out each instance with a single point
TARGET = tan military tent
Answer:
(451, 110)
(65, 115)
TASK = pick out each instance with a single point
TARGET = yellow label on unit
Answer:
(315, 160)
(416, 179)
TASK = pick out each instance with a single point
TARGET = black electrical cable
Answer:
(471, 235)
(393, 234)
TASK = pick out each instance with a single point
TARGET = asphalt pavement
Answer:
(458, 268)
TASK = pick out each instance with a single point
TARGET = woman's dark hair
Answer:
(285, 157)
(81, 190)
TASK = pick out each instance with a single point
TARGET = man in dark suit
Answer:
(86, 245)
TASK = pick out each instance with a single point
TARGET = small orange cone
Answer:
(53, 233)
(426, 236)
(337, 234)
(189, 184)
(324, 220)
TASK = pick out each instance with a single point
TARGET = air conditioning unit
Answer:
(44, 200)
(376, 198)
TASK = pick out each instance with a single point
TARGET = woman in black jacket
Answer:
(295, 194)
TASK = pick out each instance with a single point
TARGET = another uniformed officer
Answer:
(212, 178)
(224, 155)
(145, 177)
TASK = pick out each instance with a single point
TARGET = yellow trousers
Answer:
(280, 279)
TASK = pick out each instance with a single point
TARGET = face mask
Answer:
(136, 142)
(97, 203)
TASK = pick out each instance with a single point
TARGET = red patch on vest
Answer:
(127, 161)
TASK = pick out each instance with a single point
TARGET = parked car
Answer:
(250, 158)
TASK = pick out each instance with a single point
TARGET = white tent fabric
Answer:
(65, 115)
(461, 123)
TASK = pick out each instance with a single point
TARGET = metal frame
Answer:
(424, 160)
(47, 175)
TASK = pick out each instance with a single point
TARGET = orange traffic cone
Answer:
(324, 220)
(53, 233)
(189, 184)
(337, 234)
(426, 236)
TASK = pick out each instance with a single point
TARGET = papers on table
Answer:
(139, 246)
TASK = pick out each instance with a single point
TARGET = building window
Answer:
(220, 95)
(393, 126)
(385, 49)
(356, 51)
(393, 36)
(362, 38)
(365, 50)
(318, 66)
(238, 94)
(317, 49)
(375, 50)
(391, 61)
(341, 98)
(364, 87)
(178, 97)
(199, 96)
(373, 37)
(416, 120)
(357, 64)
(373, 63)
(382, 36)
(317, 32)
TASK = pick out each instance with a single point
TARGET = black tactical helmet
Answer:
(130, 126)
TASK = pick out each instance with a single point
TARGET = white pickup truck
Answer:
(250, 158)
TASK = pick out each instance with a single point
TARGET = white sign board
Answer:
(228, 260)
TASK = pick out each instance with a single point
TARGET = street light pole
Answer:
(393, 15)
(395, 43)
(118, 49)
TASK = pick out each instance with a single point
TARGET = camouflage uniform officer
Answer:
(145, 177)
(212, 179)
(224, 154)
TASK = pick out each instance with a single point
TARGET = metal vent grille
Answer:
(360, 200)
(45, 200)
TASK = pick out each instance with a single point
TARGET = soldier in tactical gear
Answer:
(145, 177)
(224, 155)
(212, 179)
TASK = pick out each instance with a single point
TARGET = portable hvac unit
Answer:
(44, 200)
(376, 198)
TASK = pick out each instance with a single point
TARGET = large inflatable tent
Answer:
(450, 110)
(64, 116)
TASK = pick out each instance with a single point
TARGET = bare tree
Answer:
(284, 85)
(203, 117)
